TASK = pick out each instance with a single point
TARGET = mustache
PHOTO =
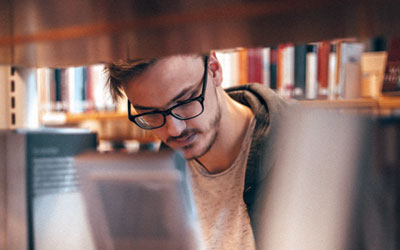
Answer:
(182, 135)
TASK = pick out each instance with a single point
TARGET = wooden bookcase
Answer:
(82, 33)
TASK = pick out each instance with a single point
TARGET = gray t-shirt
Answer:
(222, 213)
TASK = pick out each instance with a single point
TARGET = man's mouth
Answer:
(184, 140)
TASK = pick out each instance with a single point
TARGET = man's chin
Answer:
(189, 153)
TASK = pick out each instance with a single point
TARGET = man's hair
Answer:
(122, 72)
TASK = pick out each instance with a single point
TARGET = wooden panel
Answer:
(5, 31)
(64, 33)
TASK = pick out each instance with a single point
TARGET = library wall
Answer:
(90, 32)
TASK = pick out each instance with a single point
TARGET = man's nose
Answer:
(174, 126)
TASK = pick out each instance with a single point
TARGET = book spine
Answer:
(57, 101)
(225, 60)
(323, 69)
(311, 72)
(243, 66)
(25, 99)
(44, 89)
(266, 59)
(391, 82)
(288, 70)
(273, 68)
(254, 65)
(332, 80)
(280, 69)
(235, 65)
(300, 52)
(350, 53)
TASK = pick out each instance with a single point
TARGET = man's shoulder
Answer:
(255, 94)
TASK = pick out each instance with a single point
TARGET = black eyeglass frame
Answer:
(200, 99)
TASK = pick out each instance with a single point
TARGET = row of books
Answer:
(74, 89)
(331, 69)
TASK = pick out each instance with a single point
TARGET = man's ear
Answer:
(215, 66)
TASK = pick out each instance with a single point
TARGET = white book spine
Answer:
(235, 68)
(266, 75)
(288, 70)
(102, 98)
(25, 110)
(311, 75)
(332, 85)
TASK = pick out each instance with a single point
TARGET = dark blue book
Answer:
(273, 67)
(300, 52)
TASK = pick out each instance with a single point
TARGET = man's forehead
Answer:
(178, 62)
(168, 80)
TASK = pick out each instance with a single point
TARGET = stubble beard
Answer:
(213, 128)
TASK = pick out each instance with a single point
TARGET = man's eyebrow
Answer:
(177, 97)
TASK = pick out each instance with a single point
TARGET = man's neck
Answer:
(235, 121)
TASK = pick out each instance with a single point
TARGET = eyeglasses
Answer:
(185, 110)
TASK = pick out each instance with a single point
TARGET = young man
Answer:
(223, 135)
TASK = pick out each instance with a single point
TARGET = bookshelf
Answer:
(83, 33)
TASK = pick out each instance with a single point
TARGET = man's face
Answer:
(169, 82)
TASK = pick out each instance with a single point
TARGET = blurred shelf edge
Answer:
(80, 32)
(389, 102)
(115, 126)
(379, 103)
(61, 118)
(110, 126)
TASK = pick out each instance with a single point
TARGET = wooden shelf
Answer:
(116, 126)
(386, 102)
(361, 103)
(62, 118)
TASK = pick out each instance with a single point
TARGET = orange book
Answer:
(280, 68)
(243, 66)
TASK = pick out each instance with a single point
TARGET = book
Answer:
(225, 58)
(139, 201)
(347, 53)
(300, 51)
(43, 205)
(391, 83)
(44, 89)
(24, 99)
(288, 70)
(101, 98)
(373, 70)
(255, 65)
(266, 69)
(273, 68)
(339, 174)
(332, 73)
(243, 66)
(279, 68)
(324, 49)
(311, 71)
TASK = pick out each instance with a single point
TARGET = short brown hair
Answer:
(121, 72)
